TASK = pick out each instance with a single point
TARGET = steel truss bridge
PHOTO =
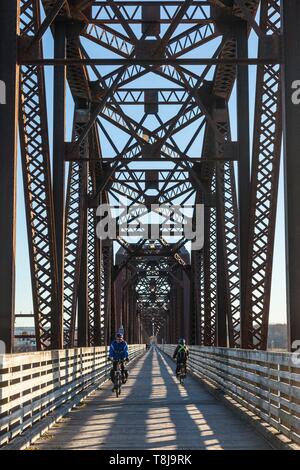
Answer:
(155, 90)
(151, 84)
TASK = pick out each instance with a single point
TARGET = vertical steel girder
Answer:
(243, 135)
(291, 119)
(173, 317)
(223, 299)
(59, 118)
(228, 279)
(107, 321)
(186, 305)
(103, 321)
(210, 273)
(231, 240)
(195, 296)
(220, 316)
(95, 302)
(75, 217)
(83, 307)
(219, 267)
(178, 311)
(9, 28)
(220, 289)
(94, 311)
(201, 286)
(264, 183)
(37, 183)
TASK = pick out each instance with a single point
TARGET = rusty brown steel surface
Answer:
(229, 237)
(93, 273)
(156, 272)
(75, 208)
(9, 99)
(264, 186)
(37, 182)
(107, 325)
(222, 86)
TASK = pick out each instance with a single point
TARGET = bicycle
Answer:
(181, 373)
(118, 379)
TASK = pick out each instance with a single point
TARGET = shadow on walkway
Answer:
(153, 412)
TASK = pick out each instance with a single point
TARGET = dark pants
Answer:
(112, 371)
(178, 366)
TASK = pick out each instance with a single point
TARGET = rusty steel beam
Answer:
(291, 119)
(75, 219)
(244, 60)
(224, 290)
(83, 291)
(109, 326)
(59, 117)
(9, 29)
(264, 183)
(210, 275)
(94, 253)
(243, 136)
(35, 155)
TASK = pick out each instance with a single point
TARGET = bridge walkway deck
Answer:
(154, 412)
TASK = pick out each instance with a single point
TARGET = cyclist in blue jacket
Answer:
(118, 351)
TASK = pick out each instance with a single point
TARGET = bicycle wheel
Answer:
(118, 385)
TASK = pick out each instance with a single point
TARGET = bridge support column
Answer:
(209, 314)
(243, 127)
(179, 313)
(222, 293)
(59, 109)
(195, 298)
(9, 28)
(173, 318)
(109, 324)
(83, 339)
(221, 121)
(82, 117)
(291, 122)
(186, 306)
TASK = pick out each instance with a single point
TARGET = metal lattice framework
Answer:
(151, 86)
(264, 184)
(37, 181)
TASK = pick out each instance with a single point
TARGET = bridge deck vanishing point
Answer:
(154, 412)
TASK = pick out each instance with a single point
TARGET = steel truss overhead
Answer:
(152, 85)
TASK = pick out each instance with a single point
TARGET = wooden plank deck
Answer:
(154, 412)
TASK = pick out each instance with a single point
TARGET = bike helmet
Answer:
(182, 341)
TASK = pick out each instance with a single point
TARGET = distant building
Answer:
(24, 341)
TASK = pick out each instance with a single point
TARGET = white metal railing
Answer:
(266, 383)
(32, 385)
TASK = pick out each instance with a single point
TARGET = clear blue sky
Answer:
(23, 284)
